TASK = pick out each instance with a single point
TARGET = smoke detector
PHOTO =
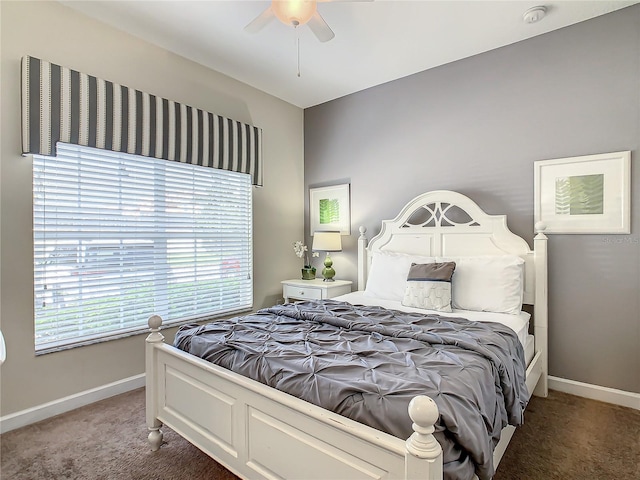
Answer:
(534, 14)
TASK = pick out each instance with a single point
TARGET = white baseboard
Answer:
(595, 392)
(56, 407)
(62, 405)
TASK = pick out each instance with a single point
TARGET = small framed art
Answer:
(329, 209)
(588, 194)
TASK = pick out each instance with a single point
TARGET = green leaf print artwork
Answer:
(329, 211)
(580, 195)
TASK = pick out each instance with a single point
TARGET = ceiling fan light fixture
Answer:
(294, 12)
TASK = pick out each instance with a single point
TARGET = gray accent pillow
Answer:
(429, 286)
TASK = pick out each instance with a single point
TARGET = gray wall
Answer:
(477, 126)
(53, 32)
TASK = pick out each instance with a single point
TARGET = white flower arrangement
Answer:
(301, 251)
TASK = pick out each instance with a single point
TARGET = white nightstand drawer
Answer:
(292, 291)
(314, 289)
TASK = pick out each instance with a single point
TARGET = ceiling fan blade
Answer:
(320, 28)
(260, 21)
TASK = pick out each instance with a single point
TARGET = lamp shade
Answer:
(327, 242)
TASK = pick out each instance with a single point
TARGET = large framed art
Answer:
(587, 194)
(329, 209)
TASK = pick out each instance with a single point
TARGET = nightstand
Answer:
(316, 289)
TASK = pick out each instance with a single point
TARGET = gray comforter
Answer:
(367, 363)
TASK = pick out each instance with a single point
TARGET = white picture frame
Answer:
(584, 195)
(330, 209)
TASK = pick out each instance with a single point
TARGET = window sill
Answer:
(44, 350)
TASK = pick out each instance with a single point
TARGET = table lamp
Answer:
(327, 242)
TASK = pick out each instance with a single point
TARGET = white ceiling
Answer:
(375, 41)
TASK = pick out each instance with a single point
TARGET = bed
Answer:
(257, 431)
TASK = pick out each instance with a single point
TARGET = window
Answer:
(119, 237)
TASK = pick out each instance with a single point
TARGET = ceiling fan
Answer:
(294, 13)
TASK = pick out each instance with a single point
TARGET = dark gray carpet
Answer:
(565, 437)
(570, 438)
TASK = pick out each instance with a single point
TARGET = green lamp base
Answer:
(327, 272)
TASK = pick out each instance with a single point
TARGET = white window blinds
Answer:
(119, 237)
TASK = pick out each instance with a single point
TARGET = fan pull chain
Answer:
(298, 49)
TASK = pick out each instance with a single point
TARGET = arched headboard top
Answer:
(443, 223)
(445, 219)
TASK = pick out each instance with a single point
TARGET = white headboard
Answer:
(446, 223)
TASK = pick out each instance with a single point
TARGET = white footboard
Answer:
(259, 432)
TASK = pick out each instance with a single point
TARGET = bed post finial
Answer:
(424, 454)
(153, 424)
(155, 322)
(540, 227)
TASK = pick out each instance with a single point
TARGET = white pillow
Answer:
(388, 274)
(487, 283)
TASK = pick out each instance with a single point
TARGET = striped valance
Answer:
(63, 105)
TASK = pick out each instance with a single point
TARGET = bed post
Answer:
(541, 305)
(155, 337)
(362, 258)
(423, 459)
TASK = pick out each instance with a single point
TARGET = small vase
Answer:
(309, 273)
